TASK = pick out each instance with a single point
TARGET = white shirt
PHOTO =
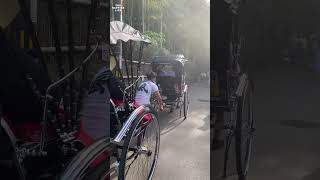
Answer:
(144, 92)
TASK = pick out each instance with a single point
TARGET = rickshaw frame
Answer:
(232, 90)
(90, 153)
(181, 99)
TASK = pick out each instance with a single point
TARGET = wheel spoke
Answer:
(139, 165)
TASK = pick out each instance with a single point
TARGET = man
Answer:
(147, 89)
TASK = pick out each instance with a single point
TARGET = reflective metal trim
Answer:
(128, 123)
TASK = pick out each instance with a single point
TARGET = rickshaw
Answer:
(62, 148)
(125, 149)
(173, 87)
(232, 90)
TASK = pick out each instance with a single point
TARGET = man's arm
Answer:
(159, 99)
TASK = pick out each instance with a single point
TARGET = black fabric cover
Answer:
(95, 113)
(16, 95)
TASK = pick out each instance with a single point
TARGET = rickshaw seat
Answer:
(167, 85)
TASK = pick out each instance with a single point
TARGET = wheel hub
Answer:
(144, 150)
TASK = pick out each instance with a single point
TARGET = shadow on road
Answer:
(300, 124)
(171, 125)
(169, 121)
(315, 175)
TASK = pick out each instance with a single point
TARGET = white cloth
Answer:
(144, 92)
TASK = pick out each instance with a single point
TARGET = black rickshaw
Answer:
(52, 142)
(173, 87)
(232, 90)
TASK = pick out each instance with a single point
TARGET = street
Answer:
(287, 120)
(184, 147)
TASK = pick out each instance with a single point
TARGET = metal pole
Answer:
(33, 34)
(143, 28)
(55, 33)
(90, 32)
(118, 17)
(161, 29)
(72, 103)
(120, 43)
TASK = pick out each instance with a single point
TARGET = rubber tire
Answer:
(185, 104)
(127, 140)
(171, 109)
(95, 174)
(248, 95)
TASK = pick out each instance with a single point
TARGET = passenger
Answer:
(161, 69)
(167, 72)
(147, 89)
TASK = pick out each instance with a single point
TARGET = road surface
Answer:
(287, 117)
(184, 146)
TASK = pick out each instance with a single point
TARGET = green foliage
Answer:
(155, 49)
(175, 26)
(156, 38)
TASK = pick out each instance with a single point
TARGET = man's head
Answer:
(151, 76)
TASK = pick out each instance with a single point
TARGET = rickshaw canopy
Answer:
(173, 60)
(124, 32)
(176, 61)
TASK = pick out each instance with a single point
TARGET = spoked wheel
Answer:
(171, 108)
(104, 171)
(96, 162)
(185, 104)
(141, 148)
(244, 131)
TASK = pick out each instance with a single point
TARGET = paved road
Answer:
(184, 147)
(287, 106)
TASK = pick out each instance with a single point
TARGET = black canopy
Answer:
(172, 59)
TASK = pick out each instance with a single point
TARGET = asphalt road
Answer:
(287, 118)
(184, 145)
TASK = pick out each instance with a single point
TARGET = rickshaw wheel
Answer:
(244, 131)
(171, 109)
(185, 104)
(141, 148)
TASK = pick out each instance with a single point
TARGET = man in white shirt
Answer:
(147, 89)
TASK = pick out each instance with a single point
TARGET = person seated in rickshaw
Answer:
(146, 89)
(167, 71)
(160, 69)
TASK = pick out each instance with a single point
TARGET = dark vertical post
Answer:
(126, 64)
(222, 23)
(140, 57)
(55, 33)
(90, 31)
(131, 62)
(32, 32)
(72, 104)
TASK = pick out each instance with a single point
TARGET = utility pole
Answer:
(143, 4)
(118, 11)
(161, 29)
(121, 19)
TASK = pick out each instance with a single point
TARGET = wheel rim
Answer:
(185, 104)
(141, 163)
(246, 132)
